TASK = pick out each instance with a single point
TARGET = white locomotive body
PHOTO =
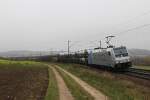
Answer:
(110, 57)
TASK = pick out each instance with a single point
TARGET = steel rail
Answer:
(139, 73)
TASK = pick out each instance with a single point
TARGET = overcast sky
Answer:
(48, 24)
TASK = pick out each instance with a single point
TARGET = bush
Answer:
(145, 61)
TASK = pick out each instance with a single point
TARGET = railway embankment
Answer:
(139, 73)
(115, 86)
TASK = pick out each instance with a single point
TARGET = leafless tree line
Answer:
(145, 61)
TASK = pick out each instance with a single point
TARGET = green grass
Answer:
(115, 89)
(142, 67)
(52, 91)
(7, 64)
(76, 90)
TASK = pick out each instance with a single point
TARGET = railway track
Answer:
(139, 73)
(134, 72)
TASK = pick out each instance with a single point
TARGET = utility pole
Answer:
(100, 44)
(68, 47)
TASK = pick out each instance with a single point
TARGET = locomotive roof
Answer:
(107, 49)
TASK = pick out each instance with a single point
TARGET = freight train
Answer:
(110, 57)
(115, 58)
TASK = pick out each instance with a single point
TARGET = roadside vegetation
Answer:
(52, 90)
(8, 64)
(143, 61)
(23, 80)
(76, 90)
(142, 67)
(114, 88)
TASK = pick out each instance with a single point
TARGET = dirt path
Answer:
(95, 93)
(64, 93)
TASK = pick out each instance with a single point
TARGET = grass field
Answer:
(52, 91)
(76, 90)
(23, 80)
(115, 89)
(27, 80)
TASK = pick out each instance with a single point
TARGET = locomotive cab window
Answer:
(120, 52)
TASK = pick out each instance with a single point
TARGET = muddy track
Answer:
(92, 91)
(64, 93)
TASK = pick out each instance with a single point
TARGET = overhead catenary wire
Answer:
(125, 31)
(135, 18)
(132, 29)
(137, 27)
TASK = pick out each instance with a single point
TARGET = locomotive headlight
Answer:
(128, 60)
(117, 62)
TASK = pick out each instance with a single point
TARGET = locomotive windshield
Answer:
(120, 52)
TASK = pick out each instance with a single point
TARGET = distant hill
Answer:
(26, 53)
(139, 52)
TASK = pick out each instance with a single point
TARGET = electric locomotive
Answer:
(112, 57)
